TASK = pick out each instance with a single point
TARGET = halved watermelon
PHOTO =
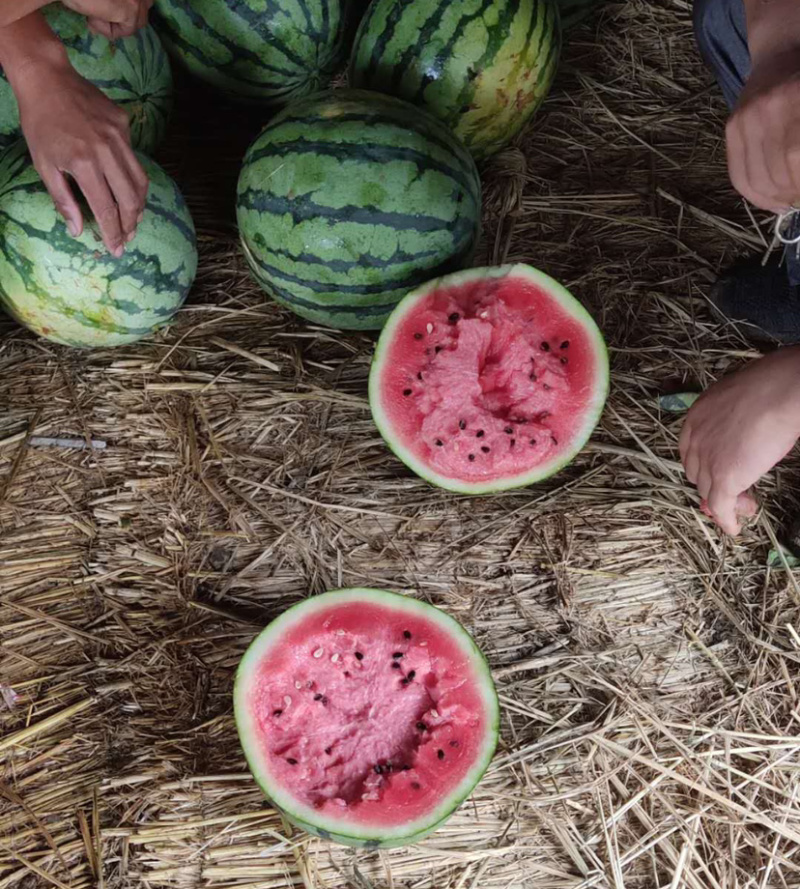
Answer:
(488, 379)
(366, 717)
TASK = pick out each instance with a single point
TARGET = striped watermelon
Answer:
(71, 290)
(133, 72)
(482, 66)
(266, 51)
(349, 199)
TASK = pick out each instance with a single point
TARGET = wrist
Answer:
(30, 54)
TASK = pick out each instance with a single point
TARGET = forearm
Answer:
(13, 10)
(26, 45)
(773, 28)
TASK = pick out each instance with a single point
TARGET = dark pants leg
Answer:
(721, 30)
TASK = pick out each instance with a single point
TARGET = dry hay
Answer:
(646, 666)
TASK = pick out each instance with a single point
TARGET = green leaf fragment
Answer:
(782, 558)
(678, 403)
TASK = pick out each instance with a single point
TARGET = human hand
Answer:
(113, 18)
(72, 128)
(763, 134)
(738, 430)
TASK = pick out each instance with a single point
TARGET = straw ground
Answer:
(648, 668)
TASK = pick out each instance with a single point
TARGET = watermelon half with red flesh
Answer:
(366, 716)
(488, 379)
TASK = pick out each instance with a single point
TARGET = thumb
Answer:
(722, 506)
(102, 27)
(61, 193)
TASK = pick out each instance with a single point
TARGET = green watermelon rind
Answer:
(71, 290)
(256, 53)
(307, 817)
(483, 71)
(379, 198)
(540, 473)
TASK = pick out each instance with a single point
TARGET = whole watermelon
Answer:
(72, 290)
(482, 66)
(349, 199)
(264, 51)
(134, 72)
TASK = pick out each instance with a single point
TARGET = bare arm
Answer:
(773, 27)
(114, 18)
(72, 129)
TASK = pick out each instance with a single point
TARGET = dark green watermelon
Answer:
(72, 290)
(481, 66)
(265, 51)
(134, 72)
(350, 199)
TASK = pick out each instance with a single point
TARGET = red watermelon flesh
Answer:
(368, 716)
(488, 379)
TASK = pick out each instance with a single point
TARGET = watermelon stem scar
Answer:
(488, 379)
(366, 716)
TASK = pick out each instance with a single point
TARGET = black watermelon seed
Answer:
(438, 349)
(421, 726)
(415, 785)
(533, 441)
(359, 656)
(565, 360)
(404, 681)
(346, 674)
(439, 443)
(378, 769)
(387, 767)
(407, 634)
(462, 424)
(471, 458)
(508, 430)
(397, 654)
(454, 743)
(411, 674)
(405, 768)
(419, 375)
(479, 434)
(317, 697)
(324, 701)
(440, 754)
(485, 449)
(292, 762)
(565, 344)
(513, 442)
(406, 392)
(417, 336)
(277, 712)
(545, 347)
(546, 387)
(454, 317)
(533, 377)
(329, 750)
(395, 665)
(554, 439)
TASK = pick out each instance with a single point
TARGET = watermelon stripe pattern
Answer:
(482, 66)
(133, 72)
(260, 51)
(71, 290)
(349, 200)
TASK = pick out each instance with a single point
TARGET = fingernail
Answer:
(140, 217)
(118, 251)
(72, 228)
(130, 237)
